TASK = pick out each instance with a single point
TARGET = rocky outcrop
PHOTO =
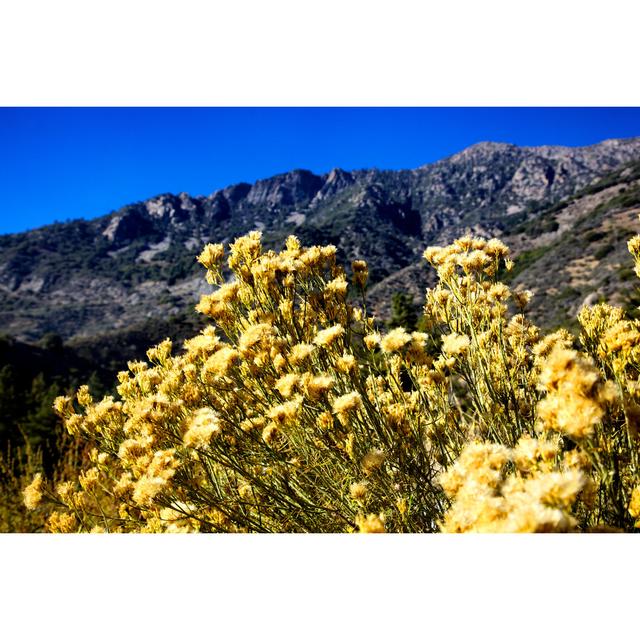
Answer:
(289, 189)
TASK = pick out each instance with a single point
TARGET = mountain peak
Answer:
(485, 147)
(489, 146)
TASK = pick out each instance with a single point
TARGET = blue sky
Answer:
(64, 163)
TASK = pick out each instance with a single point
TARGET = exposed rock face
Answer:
(82, 277)
(290, 189)
(337, 180)
(485, 181)
(131, 224)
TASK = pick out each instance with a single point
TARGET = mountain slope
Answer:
(84, 277)
(568, 254)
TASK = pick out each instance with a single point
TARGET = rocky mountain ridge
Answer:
(85, 277)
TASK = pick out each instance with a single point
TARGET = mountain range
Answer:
(566, 212)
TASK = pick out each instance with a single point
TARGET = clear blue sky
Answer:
(63, 163)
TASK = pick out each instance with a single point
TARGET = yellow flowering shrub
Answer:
(294, 412)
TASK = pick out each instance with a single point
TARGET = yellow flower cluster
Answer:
(33, 493)
(533, 497)
(576, 396)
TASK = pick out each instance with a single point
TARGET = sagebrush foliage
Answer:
(294, 412)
